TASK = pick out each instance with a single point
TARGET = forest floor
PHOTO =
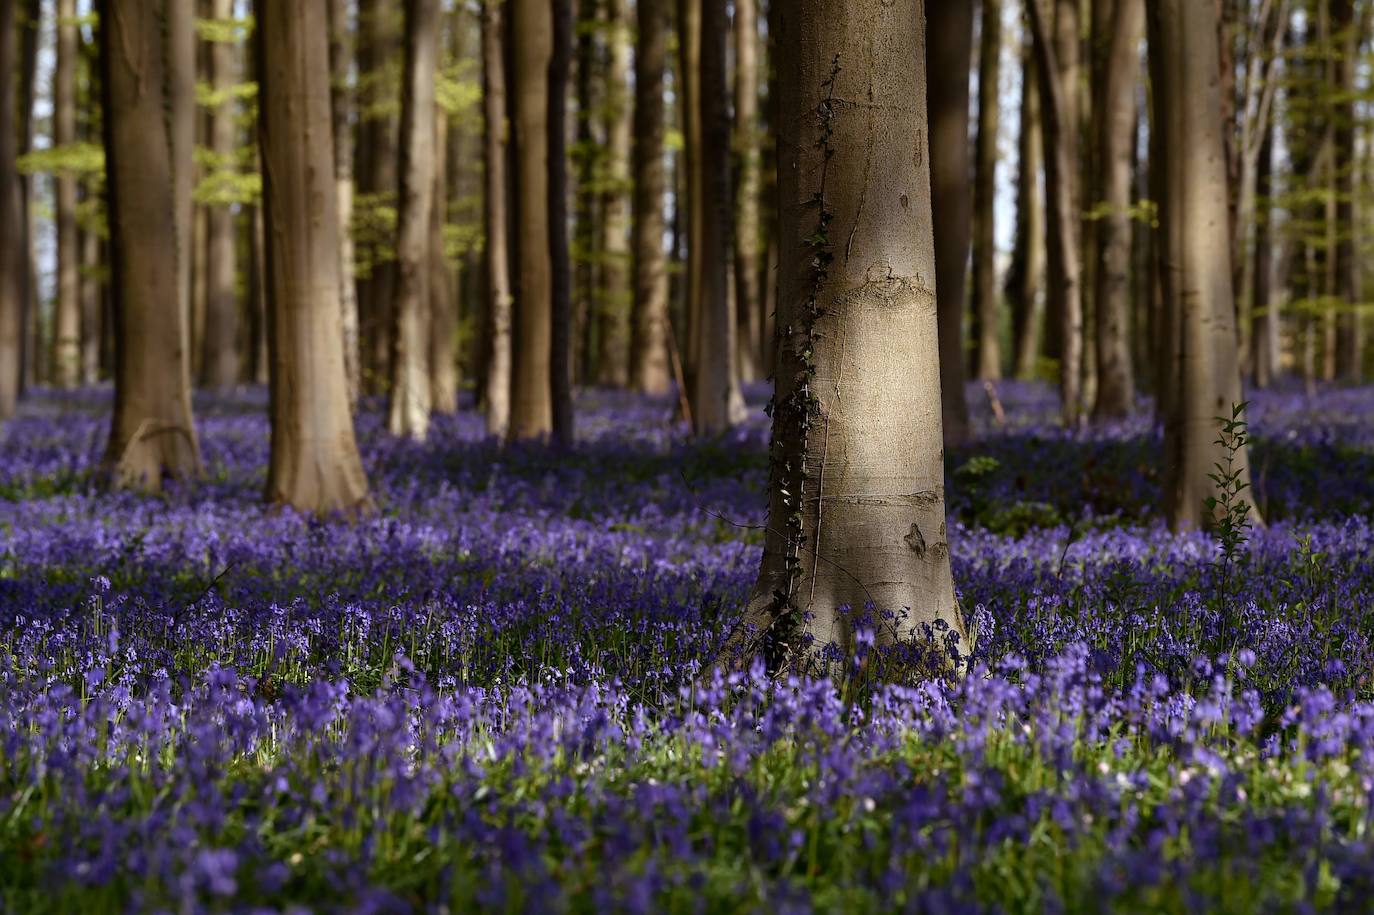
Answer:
(496, 692)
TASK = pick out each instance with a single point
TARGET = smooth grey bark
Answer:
(495, 252)
(949, 44)
(314, 465)
(13, 259)
(856, 498)
(152, 434)
(1203, 363)
(220, 359)
(649, 367)
(179, 23)
(613, 336)
(443, 310)
(984, 304)
(67, 310)
(748, 188)
(409, 404)
(341, 108)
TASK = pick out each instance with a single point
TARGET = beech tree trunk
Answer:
(67, 311)
(1058, 55)
(613, 337)
(180, 37)
(649, 343)
(588, 158)
(443, 308)
(1350, 332)
(531, 388)
(495, 253)
(1203, 364)
(687, 82)
(220, 362)
(13, 259)
(748, 187)
(379, 31)
(341, 107)
(1115, 124)
(34, 358)
(1025, 278)
(988, 359)
(560, 265)
(856, 506)
(1264, 337)
(152, 435)
(409, 406)
(314, 465)
(91, 292)
(949, 43)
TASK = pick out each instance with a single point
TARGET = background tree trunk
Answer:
(220, 362)
(1264, 337)
(531, 390)
(1026, 275)
(1115, 124)
(748, 187)
(856, 507)
(34, 358)
(949, 43)
(341, 107)
(67, 317)
(560, 266)
(588, 158)
(443, 308)
(988, 360)
(182, 111)
(497, 388)
(409, 406)
(613, 336)
(314, 462)
(13, 259)
(1350, 332)
(1199, 303)
(649, 344)
(152, 434)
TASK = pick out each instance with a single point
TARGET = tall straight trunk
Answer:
(180, 36)
(495, 253)
(1057, 54)
(341, 108)
(1203, 361)
(988, 359)
(409, 406)
(13, 258)
(649, 339)
(1115, 124)
(220, 362)
(588, 157)
(1350, 333)
(67, 317)
(443, 310)
(90, 293)
(531, 388)
(1264, 316)
(715, 396)
(688, 96)
(314, 464)
(560, 266)
(152, 435)
(613, 336)
(379, 30)
(1026, 275)
(34, 358)
(748, 188)
(261, 356)
(856, 498)
(949, 42)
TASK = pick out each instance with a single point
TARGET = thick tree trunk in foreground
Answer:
(220, 362)
(649, 342)
(1115, 125)
(856, 507)
(67, 317)
(314, 464)
(1057, 56)
(13, 260)
(531, 390)
(613, 337)
(495, 251)
(152, 434)
(1027, 272)
(949, 42)
(988, 354)
(408, 412)
(341, 106)
(748, 185)
(1199, 305)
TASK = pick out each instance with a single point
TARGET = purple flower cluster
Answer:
(496, 692)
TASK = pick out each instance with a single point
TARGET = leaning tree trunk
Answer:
(531, 389)
(220, 360)
(495, 253)
(67, 319)
(988, 364)
(1027, 271)
(13, 261)
(1203, 365)
(1057, 57)
(152, 435)
(856, 509)
(1115, 125)
(949, 42)
(613, 336)
(748, 187)
(649, 338)
(341, 107)
(408, 412)
(314, 463)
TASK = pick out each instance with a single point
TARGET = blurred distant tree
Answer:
(1026, 274)
(649, 345)
(556, 222)
(497, 383)
(748, 187)
(1348, 42)
(341, 60)
(220, 362)
(13, 260)
(613, 331)
(67, 310)
(985, 299)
